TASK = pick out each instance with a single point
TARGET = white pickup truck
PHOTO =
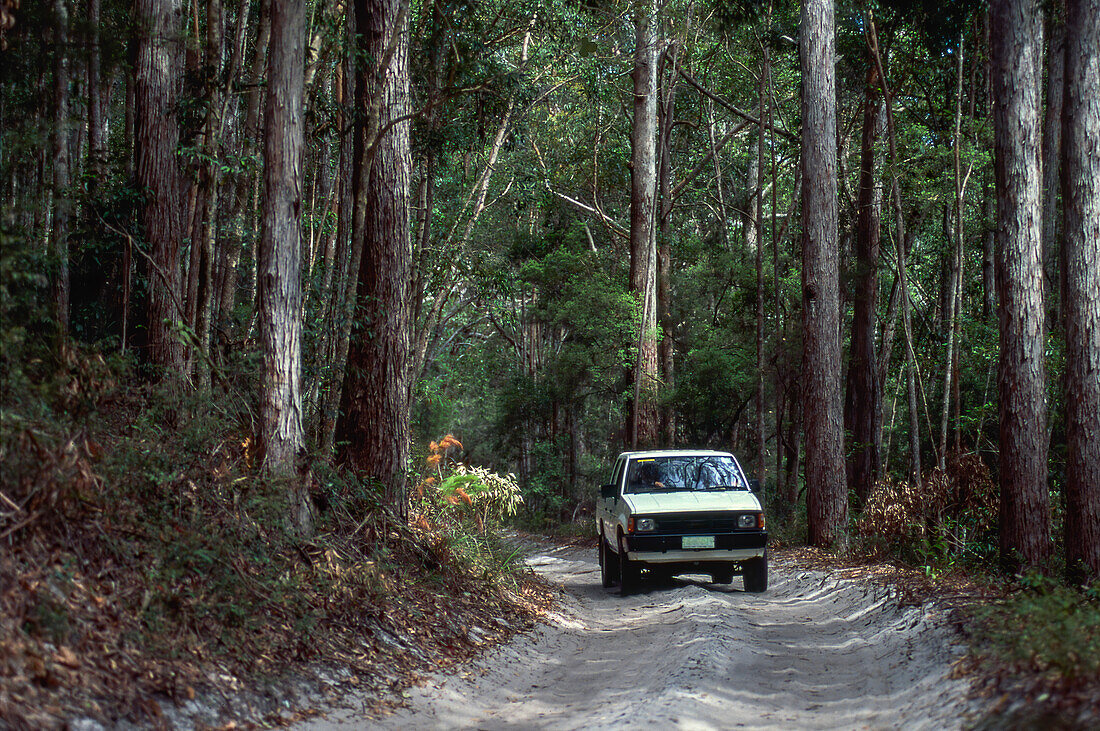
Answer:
(677, 512)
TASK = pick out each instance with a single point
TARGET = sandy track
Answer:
(813, 652)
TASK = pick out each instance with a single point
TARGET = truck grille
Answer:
(697, 523)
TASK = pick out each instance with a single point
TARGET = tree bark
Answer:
(199, 309)
(1017, 36)
(97, 101)
(863, 401)
(62, 195)
(373, 426)
(1081, 193)
(665, 351)
(1052, 159)
(989, 235)
(644, 418)
(827, 501)
(278, 262)
(158, 174)
(953, 301)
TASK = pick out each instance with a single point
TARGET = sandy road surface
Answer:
(813, 652)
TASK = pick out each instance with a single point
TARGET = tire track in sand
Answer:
(814, 652)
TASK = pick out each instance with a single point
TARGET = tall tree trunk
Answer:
(278, 264)
(863, 401)
(374, 423)
(1052, 159)
(665, 350)
(62, 195)
(97, 101)
(644, 417)
(953, 301)
(342, 305)
(1081, 193)
(989, 234)
(1017, 41)
(827, 502)
(158, 173)
(209, 185)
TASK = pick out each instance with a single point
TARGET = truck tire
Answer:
(609, 569)
(630, 573)
(756, 573)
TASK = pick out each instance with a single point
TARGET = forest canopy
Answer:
(852, 244)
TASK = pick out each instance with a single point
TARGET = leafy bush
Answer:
(1045, 627)
(476, 492)
(951, 515)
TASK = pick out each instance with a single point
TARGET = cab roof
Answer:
(653, 453)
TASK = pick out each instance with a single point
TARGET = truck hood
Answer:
(690, 501)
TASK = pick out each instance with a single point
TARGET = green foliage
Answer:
(1043, 626)
(491, 497)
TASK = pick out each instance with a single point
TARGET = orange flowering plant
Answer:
(477, 491)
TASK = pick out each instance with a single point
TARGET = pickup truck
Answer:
(675, 512)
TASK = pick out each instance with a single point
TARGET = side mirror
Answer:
(608, 491)
(754, 485)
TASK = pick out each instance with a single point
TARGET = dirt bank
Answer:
(813, 652)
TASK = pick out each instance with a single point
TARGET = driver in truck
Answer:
(647, 478)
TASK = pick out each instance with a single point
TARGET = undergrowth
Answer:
(143, 554)
(1043, 626)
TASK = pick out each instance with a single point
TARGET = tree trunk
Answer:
(62, 195)
(953, 301)
(374, 424)
(1017, 41)
(1052, 159)
(989, 233)
(278, 263)
(158, 173)
(209, 186)
(665, 352)
(346, 274)
(97, 101)
(863, 401)
(1081, 193)
(827, 502)
(644, 417)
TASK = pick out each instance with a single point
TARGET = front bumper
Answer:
(738, 546)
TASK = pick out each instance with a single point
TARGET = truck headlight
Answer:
(751, 520)
(645, 525)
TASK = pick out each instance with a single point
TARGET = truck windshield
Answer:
(676, 474)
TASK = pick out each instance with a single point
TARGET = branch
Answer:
(729, 107)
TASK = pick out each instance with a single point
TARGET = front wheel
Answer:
(756, 573)
(630, 574)
(609, 568)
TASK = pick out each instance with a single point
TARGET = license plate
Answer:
(697, 542)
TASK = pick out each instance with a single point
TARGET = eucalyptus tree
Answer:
(827, 500)
(1025, 504)
(1081, 190)
(278, 266)
(373, 426)
(644, 422)
(62, 195)
(157, 136)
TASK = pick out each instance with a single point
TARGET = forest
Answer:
(350, 263)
